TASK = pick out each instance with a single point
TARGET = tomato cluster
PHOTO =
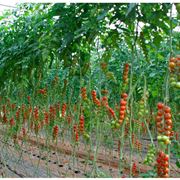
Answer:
(18, 115)
(162, 165)
(125, 73)
(150, 155)
(64, 106)
(46, 118)
(12, 122)
(42, 91)
(163, 140)
(52, 112)
(36, 114)
(138, 145)
(83, 93)
(5, 120)
(24, 132)
(111, 111)
(55, 132)
(81, 123)
(95, 99)
(104, 91)
(142, 110)
(174, 68)
(164, 112)
(122, 111)
(76, 133)
(134, 169)
(137, 124)
(104, 102)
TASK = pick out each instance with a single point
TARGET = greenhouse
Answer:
(89, 90)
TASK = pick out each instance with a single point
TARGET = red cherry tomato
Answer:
(123, 102)
(122, 108)
(167, 109)
(160, 105)
(124, 96)
(160, 113)
(158, 118)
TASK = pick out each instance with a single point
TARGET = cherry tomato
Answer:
(166, 157)
(159, 130)
(161, 154)
(169, 122)
(158, 124)
(167, 116)
(122, 113)
(167, 141)
(165, 163)
(124, 96)
(160, 105)
(127, 65)
(120, 121)
(158, 160)
(172, 65)
(167, 109)
(172, 59)
(160, 113)
(158, 118)
(122, 108)
(121, 117)
(168, 128)
(168, 133)
(123, 103)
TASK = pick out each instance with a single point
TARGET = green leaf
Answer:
(178, 163)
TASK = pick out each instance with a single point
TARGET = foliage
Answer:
(73, 39)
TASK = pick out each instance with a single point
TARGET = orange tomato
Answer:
(167, 116)
(172, 59)
(160, 113)
(168, 128)
(169, 122)
(158, 119)
(167, 133)
(124, 96)
(172, 65)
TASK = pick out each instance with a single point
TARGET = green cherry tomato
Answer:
(172, 79)
(173, 84)
(164, 138)
(117, 125)
(159, 138)
(113, 122)
(178, 85)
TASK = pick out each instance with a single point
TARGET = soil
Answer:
(35, 158)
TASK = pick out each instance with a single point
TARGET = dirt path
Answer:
(35, 159)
